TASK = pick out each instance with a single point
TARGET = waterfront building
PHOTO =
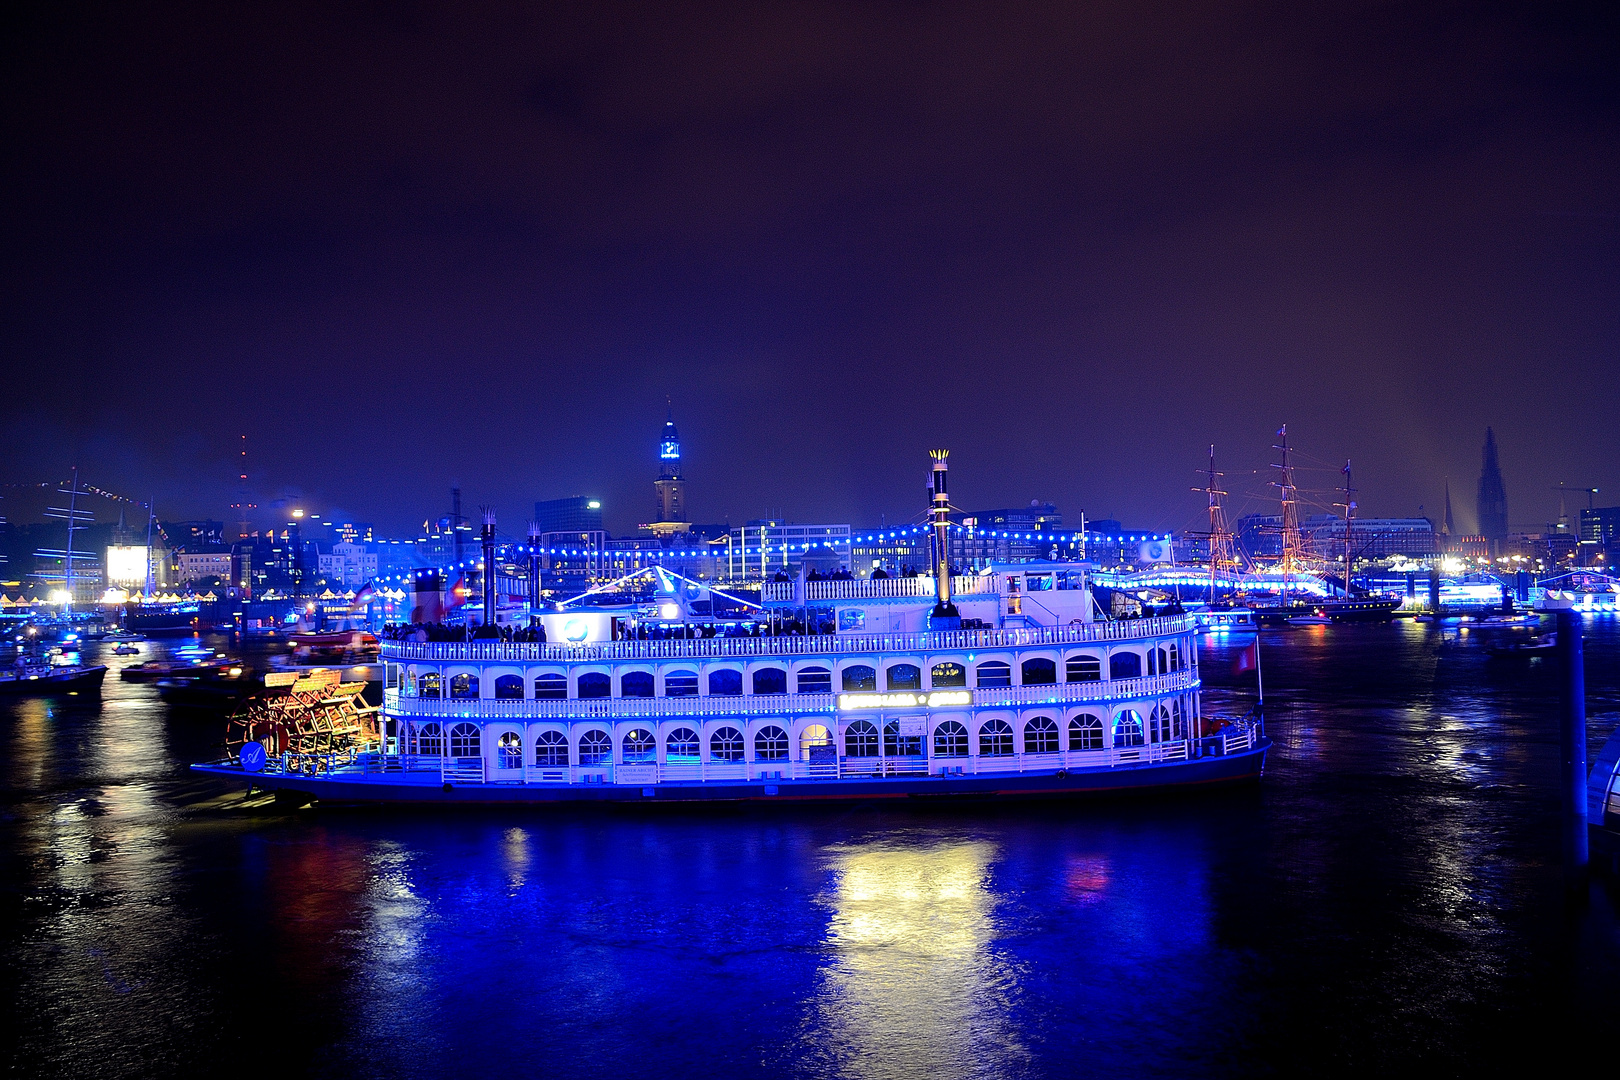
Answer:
(349, 564)
(194, 566)
(575, 514)
(761, 549)
(1323, 535)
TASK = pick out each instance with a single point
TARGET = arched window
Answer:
(949, 674)
(636, 684)
(993, 673)
(595, 748)
(1041, 736)
(1159, 661)
(551, 749)
(430, 684)
(550, 687)
(595, 684)
(464, 741)
(1124, 665)
(464, 686)
(815, 680)
(680, 684)
(1083, 669)
(904, 677)
(770, 680)
(509, 751)
(995, 739)
(861, 739)
(898, 745)
(429, 739)
(1086, 732)
(1177, 728)
(725, 682)
(1175, 657)
(509, 688)
(950, 740)
(770, 744)
(816, 744)
(1159, 725)
(1039, 671)
(1128, 728)
(860, 677)
(726, 744)
(640, 746)
(682, 745)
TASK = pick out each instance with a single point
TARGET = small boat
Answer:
(153, 670)
(124, 648)
(1540, 645)
(36, 679)
(1310, 620)
(122, 635)
(221, 693)
(1509, 621)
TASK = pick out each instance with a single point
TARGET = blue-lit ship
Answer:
(1001, 684)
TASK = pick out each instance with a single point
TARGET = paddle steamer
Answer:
(1001, 684)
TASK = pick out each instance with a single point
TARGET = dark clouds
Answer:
(400, 246)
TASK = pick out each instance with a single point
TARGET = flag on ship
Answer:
(1155, 551)
(457, 596)
(367, 593)
(1247, 659)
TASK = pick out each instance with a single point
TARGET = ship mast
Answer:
(1220, 540)
(1349, 505)
(1290, 513)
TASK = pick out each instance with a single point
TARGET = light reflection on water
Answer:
(913, 984)
(1390, 895)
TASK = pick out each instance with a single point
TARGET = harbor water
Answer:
(1389, 896)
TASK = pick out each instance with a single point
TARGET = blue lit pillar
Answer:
(1572, 744)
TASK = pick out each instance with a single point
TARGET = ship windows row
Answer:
(853, 678)
(862, 739)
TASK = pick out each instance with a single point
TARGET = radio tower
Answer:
(242, 505)
(1290, 513)
(1220, 537)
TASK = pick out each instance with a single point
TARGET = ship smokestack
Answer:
(489, 565)
(945, 615)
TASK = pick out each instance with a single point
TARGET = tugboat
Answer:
(938, 686)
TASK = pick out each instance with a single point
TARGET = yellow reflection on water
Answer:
(913, 985)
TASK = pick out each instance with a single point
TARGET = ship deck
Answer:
(367, 779)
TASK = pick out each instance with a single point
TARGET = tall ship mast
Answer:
(997, 684)
(1349, 507)
(1292, 547)
(1221, 550)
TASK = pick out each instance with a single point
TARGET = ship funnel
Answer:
(945, 615)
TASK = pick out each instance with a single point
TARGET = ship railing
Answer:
(781, 592)
(789, 645)
(715, 705)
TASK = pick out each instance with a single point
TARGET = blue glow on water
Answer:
(1389, 895)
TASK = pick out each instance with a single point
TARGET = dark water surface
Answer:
(1390, 895)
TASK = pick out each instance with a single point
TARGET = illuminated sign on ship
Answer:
(938, 699)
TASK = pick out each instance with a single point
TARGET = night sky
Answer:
(401, 246)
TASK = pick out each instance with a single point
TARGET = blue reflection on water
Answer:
(1388, 896)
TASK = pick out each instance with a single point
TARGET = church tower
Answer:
(670, 487)
(1492, 497)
